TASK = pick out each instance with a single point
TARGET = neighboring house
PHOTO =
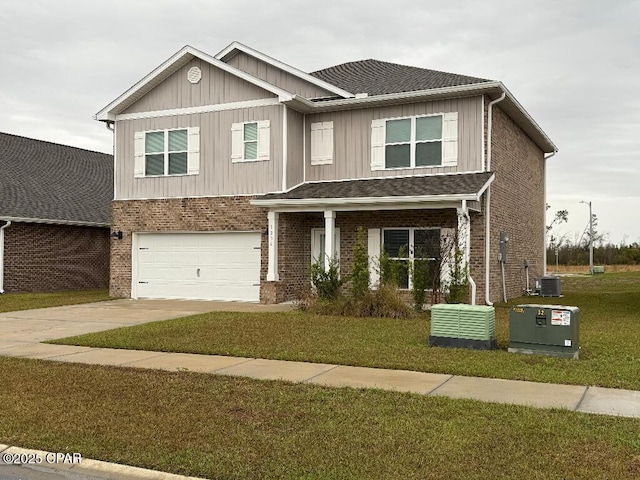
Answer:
(234, 171)
(55, 206)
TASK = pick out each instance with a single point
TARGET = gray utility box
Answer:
(545, 330)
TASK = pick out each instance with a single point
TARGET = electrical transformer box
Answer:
(545, 330)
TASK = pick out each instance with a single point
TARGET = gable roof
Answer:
(230, 51)
(375, 77)
(46, 182)
(169, 67)
(413, 189)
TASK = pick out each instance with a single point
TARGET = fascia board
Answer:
(355, 201)
(229, 51)
(172, 65)
(54, 221)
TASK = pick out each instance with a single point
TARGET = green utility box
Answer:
(463, 326)
(545, 330)
(598, 269)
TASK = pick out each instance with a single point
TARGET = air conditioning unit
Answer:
(550, 286)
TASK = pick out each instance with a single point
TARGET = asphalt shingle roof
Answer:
(47, 181)
(458, 184)
(375, 77)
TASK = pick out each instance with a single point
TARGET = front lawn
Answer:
(609, 336)
(236, 428)
(11, 302)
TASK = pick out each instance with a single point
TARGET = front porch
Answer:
(315, 228)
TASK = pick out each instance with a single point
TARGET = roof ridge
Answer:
(54, 143)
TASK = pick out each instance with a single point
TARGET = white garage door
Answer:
(210, 266)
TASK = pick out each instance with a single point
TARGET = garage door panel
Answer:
(215, 266)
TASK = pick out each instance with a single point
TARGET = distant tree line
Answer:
(607, 254)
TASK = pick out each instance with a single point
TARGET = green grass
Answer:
(11, 302)
(235, 428)
(609, 336)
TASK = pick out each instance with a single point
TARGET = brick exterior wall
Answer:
(178, 215)
(517, 206)
(41, 257)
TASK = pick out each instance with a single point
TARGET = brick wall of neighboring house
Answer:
(179, 215)
(41, 257)
(517, 206)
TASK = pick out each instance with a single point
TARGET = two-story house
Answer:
(234, 171)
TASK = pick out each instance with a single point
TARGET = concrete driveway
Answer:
(39, 325)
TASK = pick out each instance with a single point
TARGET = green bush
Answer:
(360, 270)
(326, 282)
(386, 301)
(420, 282)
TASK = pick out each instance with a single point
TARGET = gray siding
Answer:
(215, 87)
(295, 142)
(218, 176)
(277, 77)
(352, 139)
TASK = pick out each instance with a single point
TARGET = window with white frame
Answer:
(167, 152)
(250, 141)
(415, 142)
(406, 246)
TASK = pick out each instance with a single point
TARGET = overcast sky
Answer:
(573, 64)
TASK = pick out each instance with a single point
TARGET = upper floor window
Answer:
(250, 141)
(167, 152)
(413, 142)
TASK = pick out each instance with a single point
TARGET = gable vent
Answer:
(194, 75)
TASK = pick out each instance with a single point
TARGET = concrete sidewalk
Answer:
(607, 401)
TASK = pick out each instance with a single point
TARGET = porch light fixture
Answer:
(117, 235)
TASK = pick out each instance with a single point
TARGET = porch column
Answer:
(329, 236)
(464, 244)
(272, 267)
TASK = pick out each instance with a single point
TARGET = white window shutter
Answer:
(321, 143)
(138, 164)
(264, 140)
(237, 142)
(193, 151)
(374, 256)
(377, 144)
(447, 248)
(450, 139)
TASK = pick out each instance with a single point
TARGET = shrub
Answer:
(420, 282)
(457, 286)
(386, 301)
(360, 270)
(326, 282)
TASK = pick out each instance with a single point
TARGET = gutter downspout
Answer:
(465, 213)
(2, 255)
(487, 233)
(544, 194)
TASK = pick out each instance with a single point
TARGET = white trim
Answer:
(273, 232)
(221, 107)
(329, 237)
(2, 229)
(55, 222)
(222, 195)
(228, 52)
(482, 154)
(304, 148)
(363, 200)
(413, 142)
(115, 162)
(407, 175)
(285, 147)
(134, 264)
(366, 208)
(170, 66)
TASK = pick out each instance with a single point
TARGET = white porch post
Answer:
(272, 267)
(464, 243)
(329, 236)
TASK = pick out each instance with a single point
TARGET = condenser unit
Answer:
(548, 286)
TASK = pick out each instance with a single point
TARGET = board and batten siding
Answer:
(276, 76)
(215, 87)
(217, 175)
(352, 139)
(295, 148)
